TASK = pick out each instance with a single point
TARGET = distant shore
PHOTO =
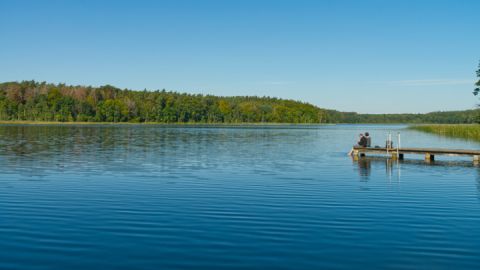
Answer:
(20, 122)
(31, 101)
(462, 131)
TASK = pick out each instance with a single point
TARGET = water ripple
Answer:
(150, 197)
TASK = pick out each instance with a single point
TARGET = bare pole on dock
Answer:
(387, 143)
(390, 143)
(398, 145)
(399, 140)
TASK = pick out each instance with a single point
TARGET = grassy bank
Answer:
(470, 132)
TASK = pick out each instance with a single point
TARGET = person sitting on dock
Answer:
(369, 140)
(362, 142)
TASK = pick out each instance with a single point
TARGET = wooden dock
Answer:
(429, 153)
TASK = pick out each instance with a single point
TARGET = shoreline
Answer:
(54, 123)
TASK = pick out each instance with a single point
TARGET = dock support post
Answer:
(394, 156)
(476, 159)
(355, 155)
(429, 157)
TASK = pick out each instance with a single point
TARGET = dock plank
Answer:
(410, 150)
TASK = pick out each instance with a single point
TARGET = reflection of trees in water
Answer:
(80, 147)
(33, 150)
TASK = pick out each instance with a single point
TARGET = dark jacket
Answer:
(363, 141)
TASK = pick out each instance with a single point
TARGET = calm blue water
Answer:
(153, 197)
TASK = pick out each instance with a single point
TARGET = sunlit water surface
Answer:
(276, 197)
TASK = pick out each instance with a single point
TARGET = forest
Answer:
(41, 101)
(447, 117)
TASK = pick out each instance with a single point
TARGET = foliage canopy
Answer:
(41, 101)
(477, 84)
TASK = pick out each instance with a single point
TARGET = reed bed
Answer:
(470, 131)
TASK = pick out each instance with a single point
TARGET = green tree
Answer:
(477, 89)
(41, 101)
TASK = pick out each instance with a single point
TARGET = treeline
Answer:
(450, 117)
(41, 101)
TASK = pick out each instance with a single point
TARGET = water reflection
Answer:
(364, 167)
(477, 182)
(163, 197)
(38, 150)
(393, 168)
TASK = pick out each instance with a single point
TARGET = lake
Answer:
(249, 197)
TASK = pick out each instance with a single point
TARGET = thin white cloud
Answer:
(276, 83)
(431, 82)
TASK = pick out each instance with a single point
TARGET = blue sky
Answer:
(364, 56)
